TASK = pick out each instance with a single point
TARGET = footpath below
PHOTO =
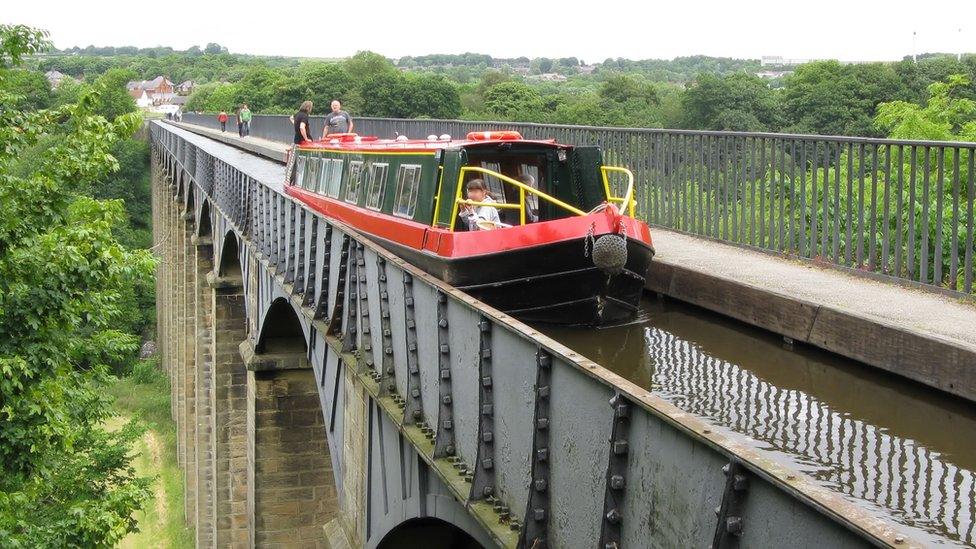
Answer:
(923, 336)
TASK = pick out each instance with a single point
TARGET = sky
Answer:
(850, 30)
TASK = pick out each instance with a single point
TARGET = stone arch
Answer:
(281, 331)
(189, 198)
(204, 224)
(420, 533)
(230, 258)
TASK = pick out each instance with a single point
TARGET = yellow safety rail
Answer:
(627, 200)
(522, 187)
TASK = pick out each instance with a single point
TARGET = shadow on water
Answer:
(906, 449)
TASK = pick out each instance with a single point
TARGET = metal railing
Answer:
(899, 209)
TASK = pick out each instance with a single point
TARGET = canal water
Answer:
(908, 451)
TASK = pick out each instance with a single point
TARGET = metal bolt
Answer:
(617, 482)
(387, 333)
(417, 415)
(446, 399)
(613, 516)
(611, 545)
(487, 464)
(415, 392)
(411, 324)
(543, 391)
(733, 525)
(486, 381)
(899, 539)
(542, 454)
(620, 447)
(487, 436)
(544, 360)
(486, 353)
(412, 346)
(442, 323)
(514, 525)
(414, 370)
(541, 485)
(445, 374)
(488, 409)
(409, 301)
(488, 491)
(484, 325)
(539, 514)
(543, 423)
(450, 450)
(445, 349)
(448, 424)
(740, 482)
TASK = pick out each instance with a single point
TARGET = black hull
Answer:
(551, 283)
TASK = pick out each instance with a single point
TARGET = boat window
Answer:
(533, 171)
(353, 180)
(299, 170)
(376, 186)
(311, 174)
(408, 183)
(495, 185)
(332, 177)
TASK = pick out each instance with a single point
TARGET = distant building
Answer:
(780, 61)
(151, 93)
(143, 101)
(185, 87)
(549, 77)
(56, 78)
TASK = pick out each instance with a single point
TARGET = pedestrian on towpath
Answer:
(303, 128)
(222, 118)
(245, 121)
(337, 121)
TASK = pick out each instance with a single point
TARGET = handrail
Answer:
(523, 188)
(628, 198)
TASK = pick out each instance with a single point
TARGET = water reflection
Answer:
(906, 450)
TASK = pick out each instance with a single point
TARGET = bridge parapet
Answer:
(435, 405)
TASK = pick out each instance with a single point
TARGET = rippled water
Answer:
(908, 451)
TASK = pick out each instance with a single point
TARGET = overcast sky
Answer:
(592, 31)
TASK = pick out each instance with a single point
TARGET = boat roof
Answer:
(376, 145)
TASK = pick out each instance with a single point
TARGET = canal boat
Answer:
(565, 247)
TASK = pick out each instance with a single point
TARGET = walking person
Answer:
(222, 118)
(245, 121)
(337, 121)
(303, 127)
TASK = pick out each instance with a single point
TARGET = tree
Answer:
(366, 64)
(64, 480)
(113, 99)
(946, 116)
(31, 88)
(828, 98)
(513, 101)
(739, 102)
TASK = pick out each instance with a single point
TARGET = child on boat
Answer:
(472, 215)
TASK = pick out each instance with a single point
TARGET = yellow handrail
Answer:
(523, 188)
(500, 205)
(627, 200)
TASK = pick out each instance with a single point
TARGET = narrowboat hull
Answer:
(555, 283)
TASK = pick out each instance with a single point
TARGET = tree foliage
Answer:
(64, 480)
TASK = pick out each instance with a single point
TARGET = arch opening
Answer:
(205, 225)
(427, 533)
(230, 258)
(281, 331)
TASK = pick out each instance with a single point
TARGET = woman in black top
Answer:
(303, 128)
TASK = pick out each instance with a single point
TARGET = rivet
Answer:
(543, 423)
(733, 525)
(412, 346)
(447, 424)
(445, 374)
(388, 351)
(539, 514)
(541, 485)
(617, 482)
(620, 447)
(613, 516)
(415, 393)
(487, 436)
(486, 353)
(442, 323)
(486, 381)
(445, 349)
(446, 399)
(488, 490)
(387, 333)
(385, 314)
(383, 295)
(411, 324)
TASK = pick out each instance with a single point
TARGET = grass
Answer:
(145, 395)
